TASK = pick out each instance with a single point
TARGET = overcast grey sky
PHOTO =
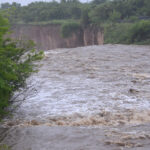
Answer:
(23, 2)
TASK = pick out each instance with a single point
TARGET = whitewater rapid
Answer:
(85, 98)
(88, 85)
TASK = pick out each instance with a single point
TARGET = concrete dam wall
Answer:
(48, 37)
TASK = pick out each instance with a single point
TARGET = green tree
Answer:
(75, 12)
(85, 19)
(101, 13)
(96, 2)
(5, 6)
(140, 32)
(115, 16)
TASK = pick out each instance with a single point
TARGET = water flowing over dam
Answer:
(85, 98)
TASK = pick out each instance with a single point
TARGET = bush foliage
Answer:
(128, 33)
(140, 33)
(116, 33)
(15, 65)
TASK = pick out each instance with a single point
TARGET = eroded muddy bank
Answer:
(48, 37)
(93, 86)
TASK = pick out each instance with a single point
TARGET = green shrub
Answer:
(15, 65)
(116, 33)
(140, 32)
(127, 33)
(85, 19)
(68, 28)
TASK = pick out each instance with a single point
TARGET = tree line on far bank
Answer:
(113, 16)
(97, 11)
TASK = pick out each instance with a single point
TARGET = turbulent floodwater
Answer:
(90, 87)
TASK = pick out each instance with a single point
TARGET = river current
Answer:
(84, 94)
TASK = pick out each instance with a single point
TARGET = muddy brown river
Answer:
(86, 98)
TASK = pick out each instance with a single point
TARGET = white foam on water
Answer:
(67, 84)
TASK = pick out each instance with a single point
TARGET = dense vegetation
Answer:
(113, 15)
(98, 10)
(128, 33)
(15, 65)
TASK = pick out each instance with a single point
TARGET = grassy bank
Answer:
(50, 22)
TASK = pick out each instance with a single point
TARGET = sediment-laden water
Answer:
(89, 98)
